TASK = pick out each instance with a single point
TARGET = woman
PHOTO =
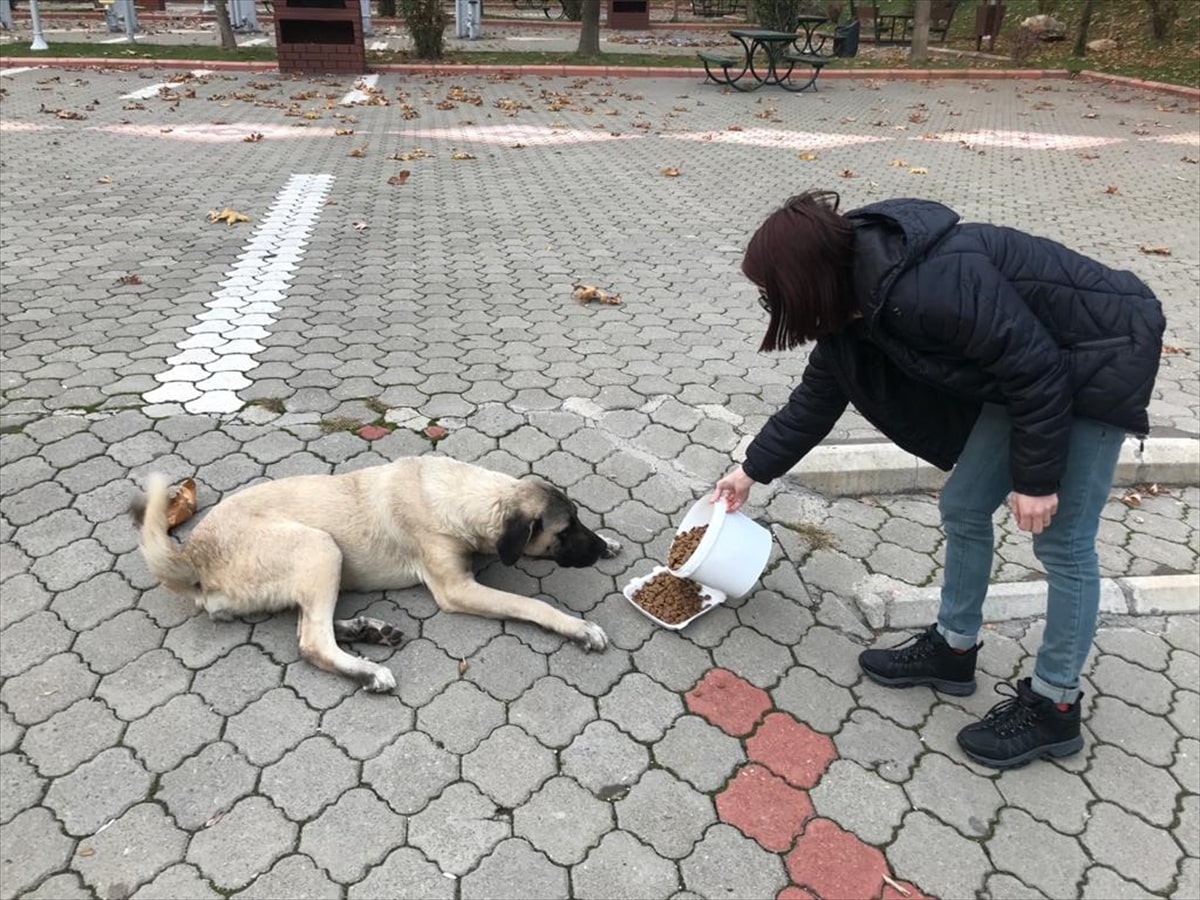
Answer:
(1008, 358)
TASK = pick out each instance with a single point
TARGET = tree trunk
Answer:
(224, 26)
(387, 9)
(589, 29)
(675, 11)
(1085, 21)
(919, 52)
(1163, 14)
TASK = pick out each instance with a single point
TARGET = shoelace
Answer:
(918, 646)
(1011, 715)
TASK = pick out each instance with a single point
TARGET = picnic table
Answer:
(766, 58)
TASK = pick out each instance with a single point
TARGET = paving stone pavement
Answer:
(148, 752)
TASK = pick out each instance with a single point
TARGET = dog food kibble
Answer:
(669, 599)
(684, 546)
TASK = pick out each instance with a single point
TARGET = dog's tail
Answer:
(164, 559)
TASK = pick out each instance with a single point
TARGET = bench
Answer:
(546, 6)
(805, 59)
(726, 61)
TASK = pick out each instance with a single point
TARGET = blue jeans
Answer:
(980, 482)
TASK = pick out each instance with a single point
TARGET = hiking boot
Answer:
(1025, 727)
(924, 658)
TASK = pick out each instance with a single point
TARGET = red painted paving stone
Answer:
(835, 863)
(373, 432)
(765, 807)
(791, 892)
(731, 703)
(791, 750)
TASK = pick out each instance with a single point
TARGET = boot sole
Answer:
(1062, 748)
(957, 688)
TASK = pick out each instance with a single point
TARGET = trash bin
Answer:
(320, 36)
(845, 39)
(629, 15)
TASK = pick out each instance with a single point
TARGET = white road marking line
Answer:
(17, 71)
(254, 42)
(207, 373)
(117, 40)
(151, 90)
(357, 96)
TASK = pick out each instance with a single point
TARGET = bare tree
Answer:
(1085, 21)
(589, 29)
(922, 11)
(1163, 14)
(224, 26)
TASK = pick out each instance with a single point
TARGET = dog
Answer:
(298, 541)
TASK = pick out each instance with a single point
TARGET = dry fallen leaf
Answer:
(671, 172)
(342, 132)
(359, 152)
(1155, 251)
(897, 886)
(807, 155)
(849, 173)
(898, 163)
(361, 226)
(104, 179)
(1112, 189)
(253, 137)
(586, 293)
(1171, 348)
(1188, 159)
(87, 851)
(227, 215)
(462, 667)
(130, 279)
(918, 170)
(182, 504)
(1132, 498)
(400, 177)
(462, 154)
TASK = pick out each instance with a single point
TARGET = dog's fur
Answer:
(298, 541)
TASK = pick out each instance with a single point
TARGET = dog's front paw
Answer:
(591, 637)
(380, 681)
(611, 547)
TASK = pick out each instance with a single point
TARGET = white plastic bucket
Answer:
(731, 555)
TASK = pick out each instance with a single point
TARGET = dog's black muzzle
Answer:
(582, 549)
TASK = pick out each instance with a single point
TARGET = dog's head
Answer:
(544, 523)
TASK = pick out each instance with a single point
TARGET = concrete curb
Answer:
(883, 468)
(889, 604)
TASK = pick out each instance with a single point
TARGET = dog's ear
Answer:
(517, 531)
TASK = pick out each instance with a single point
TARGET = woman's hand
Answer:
(1033, 513)
(734, 489)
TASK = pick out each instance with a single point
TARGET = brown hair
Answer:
(801, 258)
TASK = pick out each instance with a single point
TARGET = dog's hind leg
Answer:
(367, 630)
(316, 578)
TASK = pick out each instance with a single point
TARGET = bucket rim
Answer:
(712, 532)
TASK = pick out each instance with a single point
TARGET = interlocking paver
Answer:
(634, 410)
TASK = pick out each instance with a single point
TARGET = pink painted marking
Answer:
(516, 134)
(1193, 138)
(791, 140)
(1024, 140)
(214, 134)
(7, 125)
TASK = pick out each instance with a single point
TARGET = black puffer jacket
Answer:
(957, 315)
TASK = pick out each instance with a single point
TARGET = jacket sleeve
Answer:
(809, 415)
(993, 328)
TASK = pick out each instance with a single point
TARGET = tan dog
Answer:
(298, 541)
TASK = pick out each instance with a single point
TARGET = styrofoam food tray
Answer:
(710, 598)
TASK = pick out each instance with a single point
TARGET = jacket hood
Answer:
(890, 236)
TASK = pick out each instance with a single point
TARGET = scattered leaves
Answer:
(1189, 159)
(918, 170)
(586, 293)
(806, 155)
(1171, 348)
(898, 163)
(410, 155)
(361, 226)
(1155, 251)
(227, 215)
(343, 132)
(87, 851)
(181, 504)
(1112, 189)
(400, 177)
(462, 154)
(253, 137)
(462, 667)
(849, 173)
(671, 172)
(130, 279)
(60, 113)
(359, 152)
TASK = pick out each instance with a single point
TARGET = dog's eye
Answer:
(537, 526)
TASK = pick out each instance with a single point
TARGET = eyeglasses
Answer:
(764, 302)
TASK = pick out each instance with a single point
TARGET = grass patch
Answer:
(340, 423)
(116, 52)
(815, 536)
(378, 407)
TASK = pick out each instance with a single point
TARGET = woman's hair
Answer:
(801, 259)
